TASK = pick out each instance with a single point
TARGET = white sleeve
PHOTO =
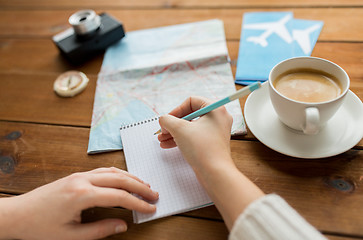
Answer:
(270, 217)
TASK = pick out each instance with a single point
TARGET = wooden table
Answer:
(44, 137)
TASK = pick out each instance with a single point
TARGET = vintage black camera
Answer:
(89, 36)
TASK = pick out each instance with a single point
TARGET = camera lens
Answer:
(85, 22)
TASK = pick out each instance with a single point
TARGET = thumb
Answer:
(100, 229)
(171, 124)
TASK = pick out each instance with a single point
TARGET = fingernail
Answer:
(153, 207)
(121, 228)
(156, 193)
(146, 183)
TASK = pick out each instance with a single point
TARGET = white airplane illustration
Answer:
(303, 39)
(271, 27)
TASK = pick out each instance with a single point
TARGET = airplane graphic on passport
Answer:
(279, 27)
(302, 37)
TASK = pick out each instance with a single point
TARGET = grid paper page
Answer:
(164, 169)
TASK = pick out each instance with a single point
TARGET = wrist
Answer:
(214, 163)
(213, 169)
(9, 218)
(230, 190)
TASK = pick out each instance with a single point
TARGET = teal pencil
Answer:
(240, 93)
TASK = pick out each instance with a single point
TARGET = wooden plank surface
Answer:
(40, 56)
(30, 98)
(44, 137)
(167, 228)
(36, 154)
(46, 4)
(27, 85)
(43, 23)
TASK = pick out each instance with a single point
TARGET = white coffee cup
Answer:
(307, 117)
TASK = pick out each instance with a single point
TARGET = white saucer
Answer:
(343, 131)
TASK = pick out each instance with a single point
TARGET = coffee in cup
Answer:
(307, 91)
(308, 85)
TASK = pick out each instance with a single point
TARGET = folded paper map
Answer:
(152, 71)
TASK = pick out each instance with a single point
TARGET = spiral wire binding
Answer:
(138, 123)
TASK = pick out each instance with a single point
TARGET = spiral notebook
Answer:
(165, 170)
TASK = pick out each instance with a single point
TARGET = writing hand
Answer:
(201, 141)
(205, 144)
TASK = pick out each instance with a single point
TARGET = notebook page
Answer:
(164, 169)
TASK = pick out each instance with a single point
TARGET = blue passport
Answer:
(268, 38)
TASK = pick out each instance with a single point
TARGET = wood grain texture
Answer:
(23, 77)
(44, 24)
(30, 98)
(167, 228)
(6, 195)
(36, 154)
(46, 4)
(44, 137)
(334, 237)
(40, 56)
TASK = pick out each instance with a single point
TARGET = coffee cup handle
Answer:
(312, 119)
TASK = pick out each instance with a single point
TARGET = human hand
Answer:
(54, 210)
(204, 142)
